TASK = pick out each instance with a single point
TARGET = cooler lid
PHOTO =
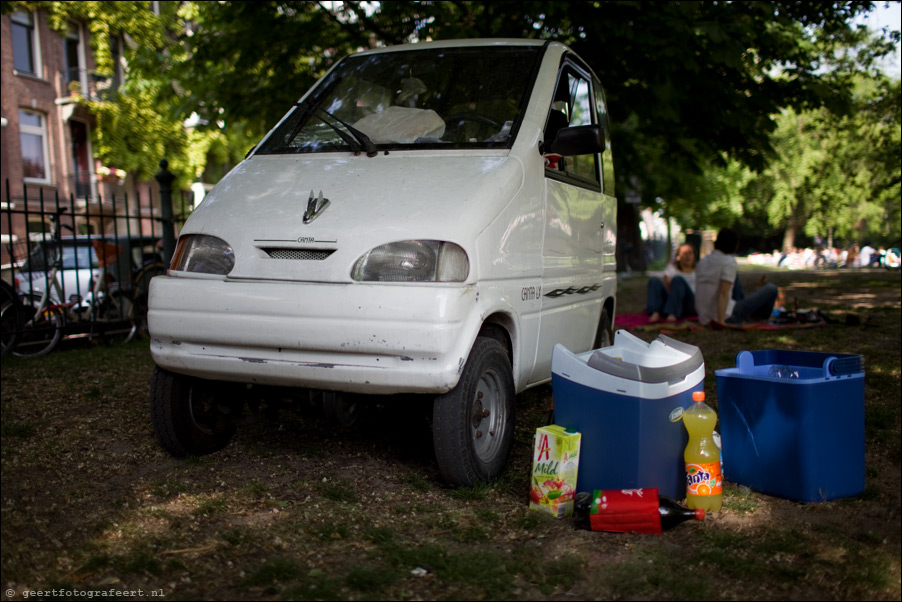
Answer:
(687, 358)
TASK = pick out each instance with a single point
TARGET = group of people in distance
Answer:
(709, 289)
(823, 256)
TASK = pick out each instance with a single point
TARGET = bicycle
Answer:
(141, 291)
(11, 316)
(107, 310)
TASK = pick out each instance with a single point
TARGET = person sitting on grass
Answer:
(718, 296)
(673, 295)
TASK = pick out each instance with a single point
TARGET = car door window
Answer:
(80, 257)
(607, 160)
(572, 106)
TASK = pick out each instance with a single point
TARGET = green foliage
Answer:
(689, 80)
(692, 86)
(835, 176)
(133, 134)
(249, 62)
(703, 95)
(106, 20)
(143, 121)
(715, 198)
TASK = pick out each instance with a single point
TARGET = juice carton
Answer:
(555, 462)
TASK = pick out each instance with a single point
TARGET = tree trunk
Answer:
(796, 221)
(630, 249)
(789, 238)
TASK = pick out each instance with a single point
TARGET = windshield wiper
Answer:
(359, 138)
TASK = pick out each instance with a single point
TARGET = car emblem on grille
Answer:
(315, 206)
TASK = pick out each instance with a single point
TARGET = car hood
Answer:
(259, 208)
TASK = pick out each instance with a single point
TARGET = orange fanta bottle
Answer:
(704, 483)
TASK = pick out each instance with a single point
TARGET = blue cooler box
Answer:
(799, 435)
(627, 401)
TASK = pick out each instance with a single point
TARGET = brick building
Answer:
(45, 139)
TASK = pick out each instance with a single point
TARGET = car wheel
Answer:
(192, 416)
(604, 337)
(473, 424)
(341, 409)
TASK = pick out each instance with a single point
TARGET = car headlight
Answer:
(203, 254)
(413, 261)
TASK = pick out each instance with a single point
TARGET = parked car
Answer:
(81, 264)
(430, 218)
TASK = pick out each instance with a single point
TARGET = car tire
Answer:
(604, 336)
(473, 424)
(341, 409)
(192, 416)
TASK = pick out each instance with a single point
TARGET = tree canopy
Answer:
(698, 91)
(836, 177)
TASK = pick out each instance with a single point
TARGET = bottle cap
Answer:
(700, 514)
(698, 396)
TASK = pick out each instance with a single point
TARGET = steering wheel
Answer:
(454, 120)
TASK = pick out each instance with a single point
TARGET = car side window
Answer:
(572, 106)
(79, 257)
(607, 160)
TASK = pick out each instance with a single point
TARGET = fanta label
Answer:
(704, 479)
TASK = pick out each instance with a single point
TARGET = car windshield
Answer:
(42, 257)
(439, 98)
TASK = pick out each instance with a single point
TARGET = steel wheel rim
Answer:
(488, 416)
(202, 411)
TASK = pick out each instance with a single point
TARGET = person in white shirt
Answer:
(673, 295)
(866, 256)
(718, 296)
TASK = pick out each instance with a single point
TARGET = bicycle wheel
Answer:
(41, 330)
(115, 321)
(10, 316)
(141, 287)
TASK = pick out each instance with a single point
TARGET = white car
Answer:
(79, 265)
(430, 218)
(77, 268)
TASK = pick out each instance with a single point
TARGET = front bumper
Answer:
(365, 338)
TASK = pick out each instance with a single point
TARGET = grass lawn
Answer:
(295, 508)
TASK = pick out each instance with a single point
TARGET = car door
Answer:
(577, 220)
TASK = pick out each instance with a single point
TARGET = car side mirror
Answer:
(578, 140)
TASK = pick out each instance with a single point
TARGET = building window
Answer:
(33, 140)
(73, 57)
(26, 46)
(118, 74)
(81, 156)
(36, 228)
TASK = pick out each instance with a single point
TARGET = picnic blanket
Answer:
(788, 321)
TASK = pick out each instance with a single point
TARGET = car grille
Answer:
(299, 254)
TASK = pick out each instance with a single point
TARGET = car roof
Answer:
(464, 43)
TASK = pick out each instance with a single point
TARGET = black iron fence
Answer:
(38, 225)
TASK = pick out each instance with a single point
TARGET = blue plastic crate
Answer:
(798, 437)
